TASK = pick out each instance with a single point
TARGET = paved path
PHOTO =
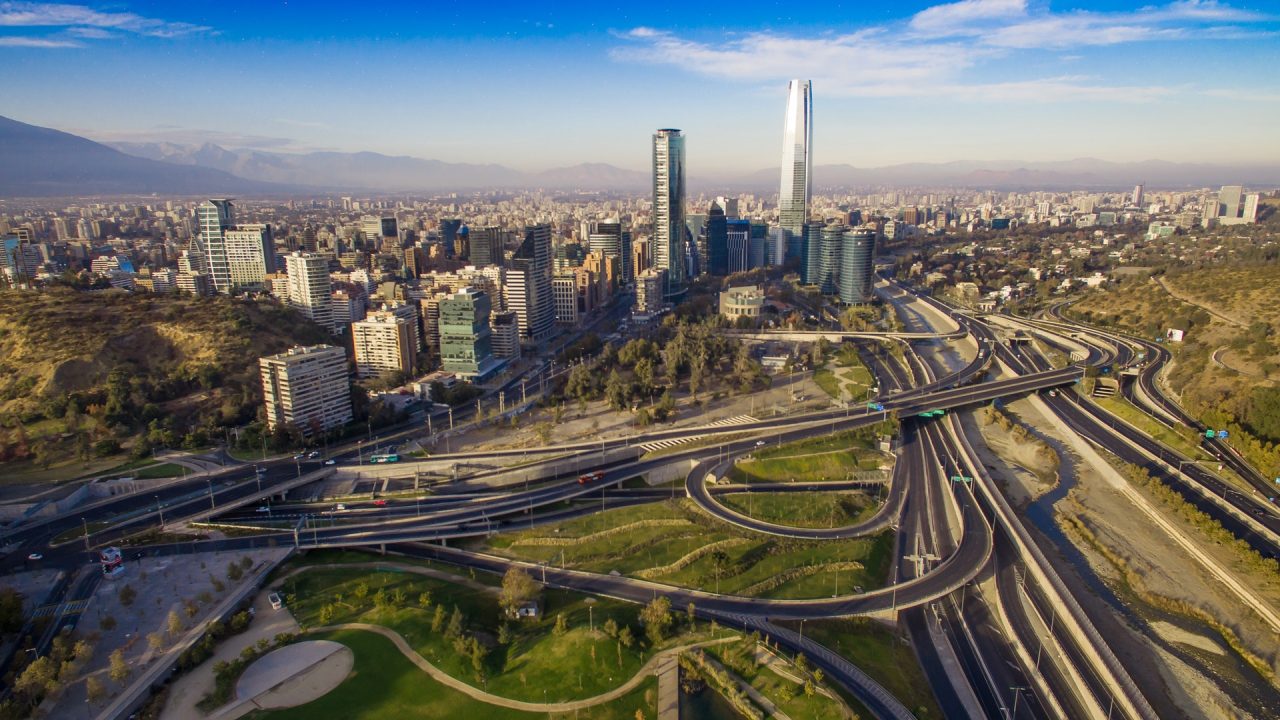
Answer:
(668, 672)
(1192, 301)
(190, 687)
(477, 694)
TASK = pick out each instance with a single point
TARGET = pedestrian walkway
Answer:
(475, 693)
(668, 672)
(660, 444)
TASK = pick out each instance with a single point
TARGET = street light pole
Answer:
(160, 509)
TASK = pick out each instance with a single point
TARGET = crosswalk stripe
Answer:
(660, 444)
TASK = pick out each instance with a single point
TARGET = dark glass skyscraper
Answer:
(811, 253)
(668, 246)
(856, 254)
(529, 284)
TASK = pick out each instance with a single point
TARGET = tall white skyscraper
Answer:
(668, 209)
(309, 288)
(797, 158)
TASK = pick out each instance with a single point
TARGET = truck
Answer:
(591, 477)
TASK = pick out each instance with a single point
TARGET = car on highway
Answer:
(313, 455)
(379, 503)
(340, 507)
(298, 456)
(35, 556)
(330, 462)
(759, 443)
(264, 508)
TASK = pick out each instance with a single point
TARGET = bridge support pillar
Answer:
(382, 548)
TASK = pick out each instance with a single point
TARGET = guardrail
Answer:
(1129, 697)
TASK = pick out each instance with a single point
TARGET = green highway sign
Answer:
(961, 478)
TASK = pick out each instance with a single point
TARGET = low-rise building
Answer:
(742, 301)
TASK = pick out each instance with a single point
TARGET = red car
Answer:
(379, 503)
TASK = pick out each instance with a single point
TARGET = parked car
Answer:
(276, 601)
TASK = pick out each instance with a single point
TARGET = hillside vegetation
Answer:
(83, 374)
(1227, 371)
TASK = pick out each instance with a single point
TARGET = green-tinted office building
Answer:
(465, 336)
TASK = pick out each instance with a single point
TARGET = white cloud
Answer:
(947, 19)
(21, 41)
(59, 15)
(935, 51)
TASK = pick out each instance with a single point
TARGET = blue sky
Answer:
(538, 87)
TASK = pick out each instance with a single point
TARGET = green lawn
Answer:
(878, 652)
(159, 470)
(1131, 414)
(635, 545)
(575, 665)
(832, 457)
(77, 533)
(805, 509)
(386, 686)
(783, 692)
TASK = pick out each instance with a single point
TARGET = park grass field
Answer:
(805, 509)
(577, 664)
(833, 457)
(880, 653)
(785, 693)
(386, 686)
(667, 542)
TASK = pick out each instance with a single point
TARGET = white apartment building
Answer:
(309, 287)
(383, 343)
(307, 388)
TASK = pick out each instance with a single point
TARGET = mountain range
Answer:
(41, 162)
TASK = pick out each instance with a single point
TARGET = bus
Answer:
(385, 458)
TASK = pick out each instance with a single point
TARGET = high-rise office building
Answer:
(829, 261)
(811, 253)
(505, 337)
(310, 290)
(737, 245)
(564, 287)
(1229, 201)
(715, 243)
(529, 284)
(797, 158)
(1136, 200)
(856, 254)
(383, 343)
(380, 231)
(251, 255)
(668, 245)
(449, 235)
(466, 347)
(487, 245)
(610, 240)
(307, 388)
(213, 218)
(650, 286)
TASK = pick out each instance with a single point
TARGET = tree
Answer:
(156, 641)
(127, 595)
(518, 588)
(625, 637)
(644, 373)
(561, 626)
(656, 618)
(691, 611)
(174, 623)
(117, 668)
(38, 678)
(615, 391)
(424, 600)
(437, 620)
(611, 627)
(10, 610)
(234, 572)
(455, 624)
(505, 635)
(94, 688)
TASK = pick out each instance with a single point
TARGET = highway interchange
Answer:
(996, 630)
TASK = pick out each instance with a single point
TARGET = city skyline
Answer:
(997, 79)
